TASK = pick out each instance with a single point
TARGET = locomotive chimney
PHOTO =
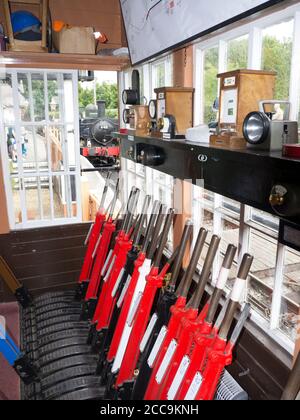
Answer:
(101, 108)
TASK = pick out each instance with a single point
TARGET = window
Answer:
(289, 321)
(257, 233)
(40, 153)
(237, 53)
(159, 75)
(277, 55)
(150, 182)
(162, 73)
(269, 43)
(211, 64)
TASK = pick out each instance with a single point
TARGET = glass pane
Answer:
(229, 234)
(169, 181)
(140, 170)
(15, 186)
(68, 98)
(55, 135)
(141, 184)
(34, 149)
(32, 198)
(38, 96)
(142, 84)
(232, 206)
(159, 193)
(12, 148)
(211, 65)
(60, 197)
(6, 99)
(277, 55)
(237, 53)
(45, 197)
(264, 250)
(131, 166)
(24, 97)
(290, 308)
(265, 219)
(71, 146)
(41, 147)
(29, 148)
(160, 74)
(55, 94)
(159, 177)
(73, 196)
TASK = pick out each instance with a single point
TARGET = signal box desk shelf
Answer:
(242, 175)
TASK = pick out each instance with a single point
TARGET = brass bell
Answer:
(276, 199)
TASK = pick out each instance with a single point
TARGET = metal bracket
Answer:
(24, 297)
(26, 370)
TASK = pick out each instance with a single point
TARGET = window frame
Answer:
(26, 223)
(254, 29)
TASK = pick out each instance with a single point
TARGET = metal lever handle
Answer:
(165, 234)
(274, 102)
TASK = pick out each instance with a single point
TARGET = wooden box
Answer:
(178, 102)
(75, 40)
(240, 93)
(40, 9)
(139, 119)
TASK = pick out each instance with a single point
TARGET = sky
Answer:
(281, 31)
(106, 76)
(101, 77)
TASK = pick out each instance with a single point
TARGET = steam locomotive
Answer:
(96, 141)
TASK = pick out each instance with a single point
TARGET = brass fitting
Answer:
(276, 199)
(160, 124)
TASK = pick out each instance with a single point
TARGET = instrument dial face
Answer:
(152, 109)
(124, 97)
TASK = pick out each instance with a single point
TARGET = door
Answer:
(40, 147)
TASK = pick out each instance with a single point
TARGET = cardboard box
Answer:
(103, 15)
(75, 40)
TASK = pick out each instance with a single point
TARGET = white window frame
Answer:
(254, 30)
(26, 224)
(271, 327)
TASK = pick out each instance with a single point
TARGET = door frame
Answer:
(5, 160)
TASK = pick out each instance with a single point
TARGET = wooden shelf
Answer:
(62, 61)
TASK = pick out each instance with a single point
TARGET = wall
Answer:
(44, 259)
(183, 72)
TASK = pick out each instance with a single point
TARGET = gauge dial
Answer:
(153, 109)
(124, 97)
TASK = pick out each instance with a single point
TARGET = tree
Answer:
(211, 64)
(277, 56)
(86, 96)
(108, 93)
(105, 92)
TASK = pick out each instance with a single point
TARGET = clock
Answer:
(130, 97)
(152, 109)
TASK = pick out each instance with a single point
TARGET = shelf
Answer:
(246, 176)
(62, 61)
